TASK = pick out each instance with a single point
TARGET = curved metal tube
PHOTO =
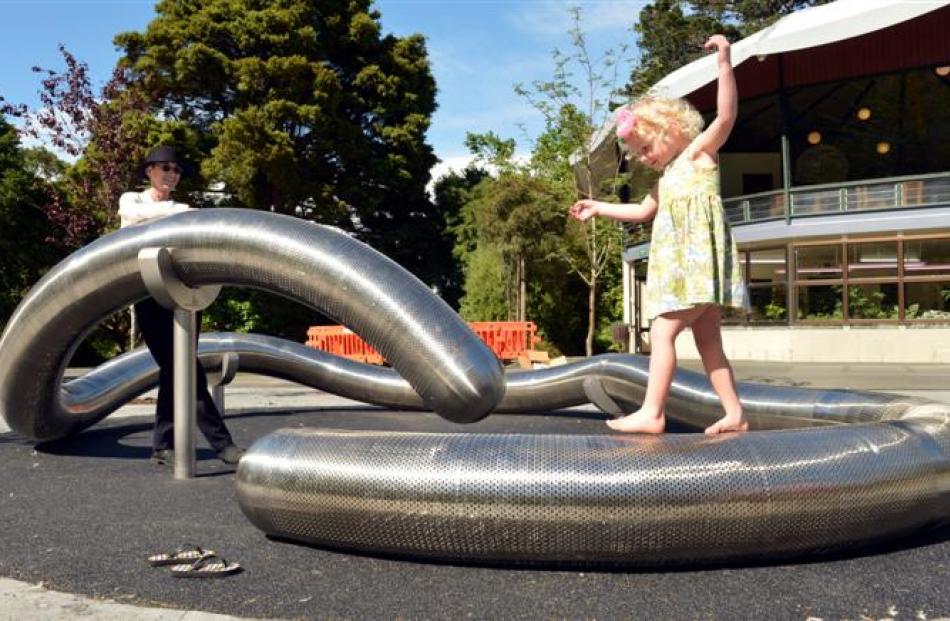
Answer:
(875, 465)
(842, 467)
(623, 376)
(450, 368)
(598, 499)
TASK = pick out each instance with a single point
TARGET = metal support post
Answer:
(184, 380)
(169, 291)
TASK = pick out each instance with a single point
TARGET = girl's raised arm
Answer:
(727, 101)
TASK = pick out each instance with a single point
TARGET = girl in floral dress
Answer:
(694, 268)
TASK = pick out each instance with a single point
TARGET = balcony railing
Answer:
(867, 195)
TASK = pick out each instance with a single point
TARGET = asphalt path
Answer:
(81, 515)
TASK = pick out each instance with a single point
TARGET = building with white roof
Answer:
(836, 180)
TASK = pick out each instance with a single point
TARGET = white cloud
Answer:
(458, 163)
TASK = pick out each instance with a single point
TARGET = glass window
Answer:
(767, 266)
(927, 257)
(820, 302)
(927, 300)
(818, 262)
(873, 301)
(872, 260)
(768, 304)
(838, 127)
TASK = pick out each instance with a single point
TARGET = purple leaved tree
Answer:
(104, 136)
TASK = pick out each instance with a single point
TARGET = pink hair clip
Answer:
(626, 120)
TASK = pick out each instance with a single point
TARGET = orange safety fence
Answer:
(508, 339)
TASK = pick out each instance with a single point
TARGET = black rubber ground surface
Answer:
(81, 516)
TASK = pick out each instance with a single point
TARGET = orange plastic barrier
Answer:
(508, 339)
(342, 341)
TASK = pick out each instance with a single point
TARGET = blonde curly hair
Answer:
(662, 119)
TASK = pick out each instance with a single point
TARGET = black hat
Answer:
(162, 154)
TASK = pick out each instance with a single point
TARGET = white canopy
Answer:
(811, 27)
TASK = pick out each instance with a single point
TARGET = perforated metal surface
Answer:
(451, 369)
(845, 466)
(598, 499)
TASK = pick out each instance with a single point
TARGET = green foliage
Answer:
(486, 296)
(43, 163)
(517, 215)
(574, 103)
(305, 108)
(491, 150)
(451, 193)
(824, 303)
(669, 37)
(864, 304)
(233, 311)
(609, 307)
(308, 109)
(25, 231)
(775, 312)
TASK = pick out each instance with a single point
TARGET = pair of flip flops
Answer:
(191, 561)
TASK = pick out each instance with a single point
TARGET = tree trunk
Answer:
(522, 290)
(591, 313)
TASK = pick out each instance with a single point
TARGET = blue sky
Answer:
(478, 50)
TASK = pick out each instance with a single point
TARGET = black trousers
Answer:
(156, 324)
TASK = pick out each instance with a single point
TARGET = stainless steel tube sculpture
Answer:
(452, 371)
(835, 468)
(838, 468)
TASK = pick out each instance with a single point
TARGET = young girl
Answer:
(693, 267)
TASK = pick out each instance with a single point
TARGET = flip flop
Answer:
(187, 553)
(211, 566)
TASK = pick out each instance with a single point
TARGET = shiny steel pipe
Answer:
(839, 468)
(623, 377)
(876, 466)
(599, 499)
(450, 368)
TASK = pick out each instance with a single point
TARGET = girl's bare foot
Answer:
(639, 422)
(728, 423)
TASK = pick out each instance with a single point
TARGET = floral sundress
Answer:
(693, 258)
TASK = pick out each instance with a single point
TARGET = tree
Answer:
(25, 253)
(516, 215)
(573, 108)
(451, 193)
(108, 133)
(306, 109)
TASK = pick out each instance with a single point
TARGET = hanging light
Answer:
(814, 137)
(864, 113)
(883, 147)
(943, 71)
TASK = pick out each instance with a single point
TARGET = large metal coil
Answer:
(824, 469)
(451, 369)
(599, 499)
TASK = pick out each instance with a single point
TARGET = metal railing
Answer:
(865, 195)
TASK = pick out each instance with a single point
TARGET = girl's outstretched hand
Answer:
(584, 209)
(720, 43)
